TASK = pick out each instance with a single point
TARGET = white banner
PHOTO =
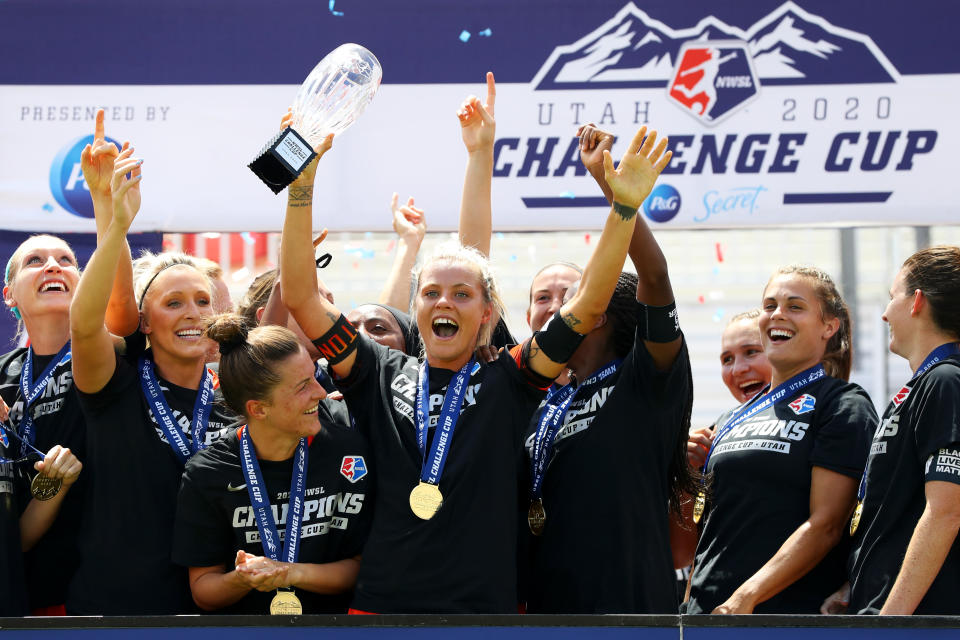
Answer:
(757, 139)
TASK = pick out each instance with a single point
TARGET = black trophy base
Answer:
(282, 159)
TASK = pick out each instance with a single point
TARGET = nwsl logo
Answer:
(353, 468)
(712, 80)
(803, 404)
(67, 185)
(900, 396)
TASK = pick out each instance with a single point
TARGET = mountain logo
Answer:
(788, 46)
(713, 79)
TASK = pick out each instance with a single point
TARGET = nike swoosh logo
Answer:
(230, 487)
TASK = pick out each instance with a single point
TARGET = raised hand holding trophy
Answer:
(331, 98)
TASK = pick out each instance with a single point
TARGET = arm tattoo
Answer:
(333, 317)
(534, 351)
(300, 196)
(625, 212)
(571, 320)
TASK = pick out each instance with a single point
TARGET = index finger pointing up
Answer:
(491, 92)
(98, 127)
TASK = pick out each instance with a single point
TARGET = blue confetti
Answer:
(718, 315)
(332, 10)
(716, 271)
(248, 238)
(568, 194)
(365, 254)
(513, 257)
(464, 35)
(47, 207)
(486, 32)
(368, 235)
(499, 235)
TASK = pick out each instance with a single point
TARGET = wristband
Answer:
(557, 340)
(339, 342)
(624, 211)
(658, 324)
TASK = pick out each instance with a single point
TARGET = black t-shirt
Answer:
(463, 560)
(761, 492)
(918, 441)
(605, 547)
(13, 595)
(133, 474)
(57, 419)
(215, 519)
(330, 411)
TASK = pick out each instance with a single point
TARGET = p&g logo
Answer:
(66, 179)
(663, 203)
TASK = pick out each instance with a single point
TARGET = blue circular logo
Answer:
(66, 179)
(663, 203)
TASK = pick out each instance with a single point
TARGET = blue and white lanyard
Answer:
(259, 500)
(433, 464)
(161, 411)
(551, 417)
(32, 391)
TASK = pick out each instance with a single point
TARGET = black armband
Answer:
(658, 324)
(339, 342)
(557, 340)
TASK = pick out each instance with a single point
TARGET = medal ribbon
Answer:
(26, 448)
(161, 411)
(551, 417)
(257, 490)
(762, 401)
(939, 354)
(32, 390)
(433, 464)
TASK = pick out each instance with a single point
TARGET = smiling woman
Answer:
(147, 413)
(268, 377)
(784, 464)
(37, 399)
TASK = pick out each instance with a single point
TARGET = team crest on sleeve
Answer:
(4, 440)
(713, 79)
(900, 396)
(353, 468)
(803, 404)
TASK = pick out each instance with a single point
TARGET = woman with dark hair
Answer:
(783, 466)
(906, 557)
(146, 414)
(283, 462)
(614, 439)
(449, 544)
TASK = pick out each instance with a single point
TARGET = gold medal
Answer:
(45, 488)
(285, 603)
(425, 500)
(536, 517)
(855, 520)
(699, 506)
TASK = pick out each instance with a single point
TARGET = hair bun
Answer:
(229, 330)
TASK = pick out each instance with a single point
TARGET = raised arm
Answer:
(314, 313)
(479, 134)
(93, 356)
(411, 225)
(653, 286)
(97, 162)
(630, 184)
